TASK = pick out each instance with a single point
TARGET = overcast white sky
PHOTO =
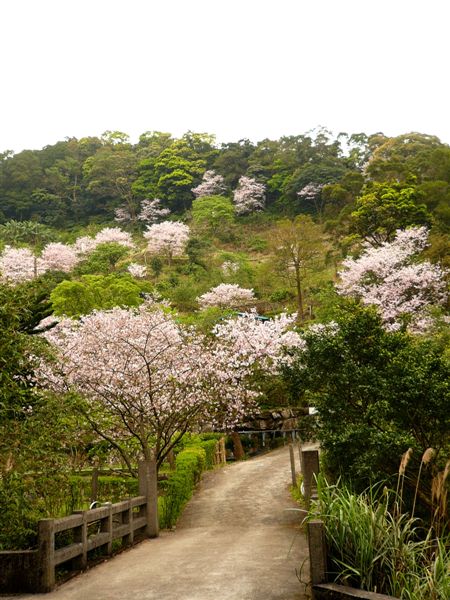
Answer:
(235, 68)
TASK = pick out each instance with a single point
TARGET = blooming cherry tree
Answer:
(152, 377)
(388, 277)
(152, 212)
(59, 257)
(136, 270)
(249, 196)
(252, 341)
(114, 235)
(211, 185)
(226, 295)
(19, 264)
(168, 238)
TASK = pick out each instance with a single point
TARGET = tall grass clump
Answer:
(373, 548)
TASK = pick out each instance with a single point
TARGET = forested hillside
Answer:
(174, 285)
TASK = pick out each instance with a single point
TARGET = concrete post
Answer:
(148, 487)
(310, 466)
(293, 473)
(317, 552)
(46, 554)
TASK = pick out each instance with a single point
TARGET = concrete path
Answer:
(235, 541)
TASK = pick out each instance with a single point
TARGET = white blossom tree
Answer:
(137, 270)
(19, 264)
(168, 238)
(251, 341)
(249, 196)
(212, 185)
(152, 378)
(226, 295)
(114, 235)
(389, 277)
(152, 212)
(59, 257)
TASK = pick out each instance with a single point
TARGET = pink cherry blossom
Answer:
(152, 212)
(212, 185)
(168, 238)
(136, 270)
(249, 196)
(59, 257)
(226, 295)
(390, 278)
(154, 378)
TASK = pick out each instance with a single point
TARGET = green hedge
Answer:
(179, 487)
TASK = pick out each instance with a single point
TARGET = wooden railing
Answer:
(88, 530)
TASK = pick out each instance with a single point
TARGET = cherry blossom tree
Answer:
(249, 196)
(59, 257)
(168, 238)
(211, 185)
(137, 270)
(226, 295)
(114, 234)
(144, 375)
(19, 264)
(312, 192)
(152, 212)
(389, 277)
(251, 341)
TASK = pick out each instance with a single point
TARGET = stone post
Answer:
(317, 552)
(148, 487)
(293, 473)
(46, 555)
(310, 467)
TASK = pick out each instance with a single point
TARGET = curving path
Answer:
(235, 541)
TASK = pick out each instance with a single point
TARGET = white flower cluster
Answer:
(226, 295)
(389, 278)
(249, 196)
(212, 185)
(168, 238)
(20, 264)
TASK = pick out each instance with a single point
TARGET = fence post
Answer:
(46, 554)
(310, 466)
(94, 484)
(80, 535)
(106, 526)
(317, 552)
(293, 473)
(148, 487)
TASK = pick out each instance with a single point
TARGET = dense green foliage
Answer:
(377, 393)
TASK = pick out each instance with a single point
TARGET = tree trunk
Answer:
(238, 450)
(298, 284)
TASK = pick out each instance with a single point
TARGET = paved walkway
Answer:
(235, 541)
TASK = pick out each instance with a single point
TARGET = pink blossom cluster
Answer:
(250, 341)
(229, 267)
(59, 257)
(226, 295)
(249, 196)
(19, 264)
(389, 278)
(137, 270)
(146, 370)
(168, 238)
(152, 212)
(211, 185)
(310, 191)
(115, 235)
